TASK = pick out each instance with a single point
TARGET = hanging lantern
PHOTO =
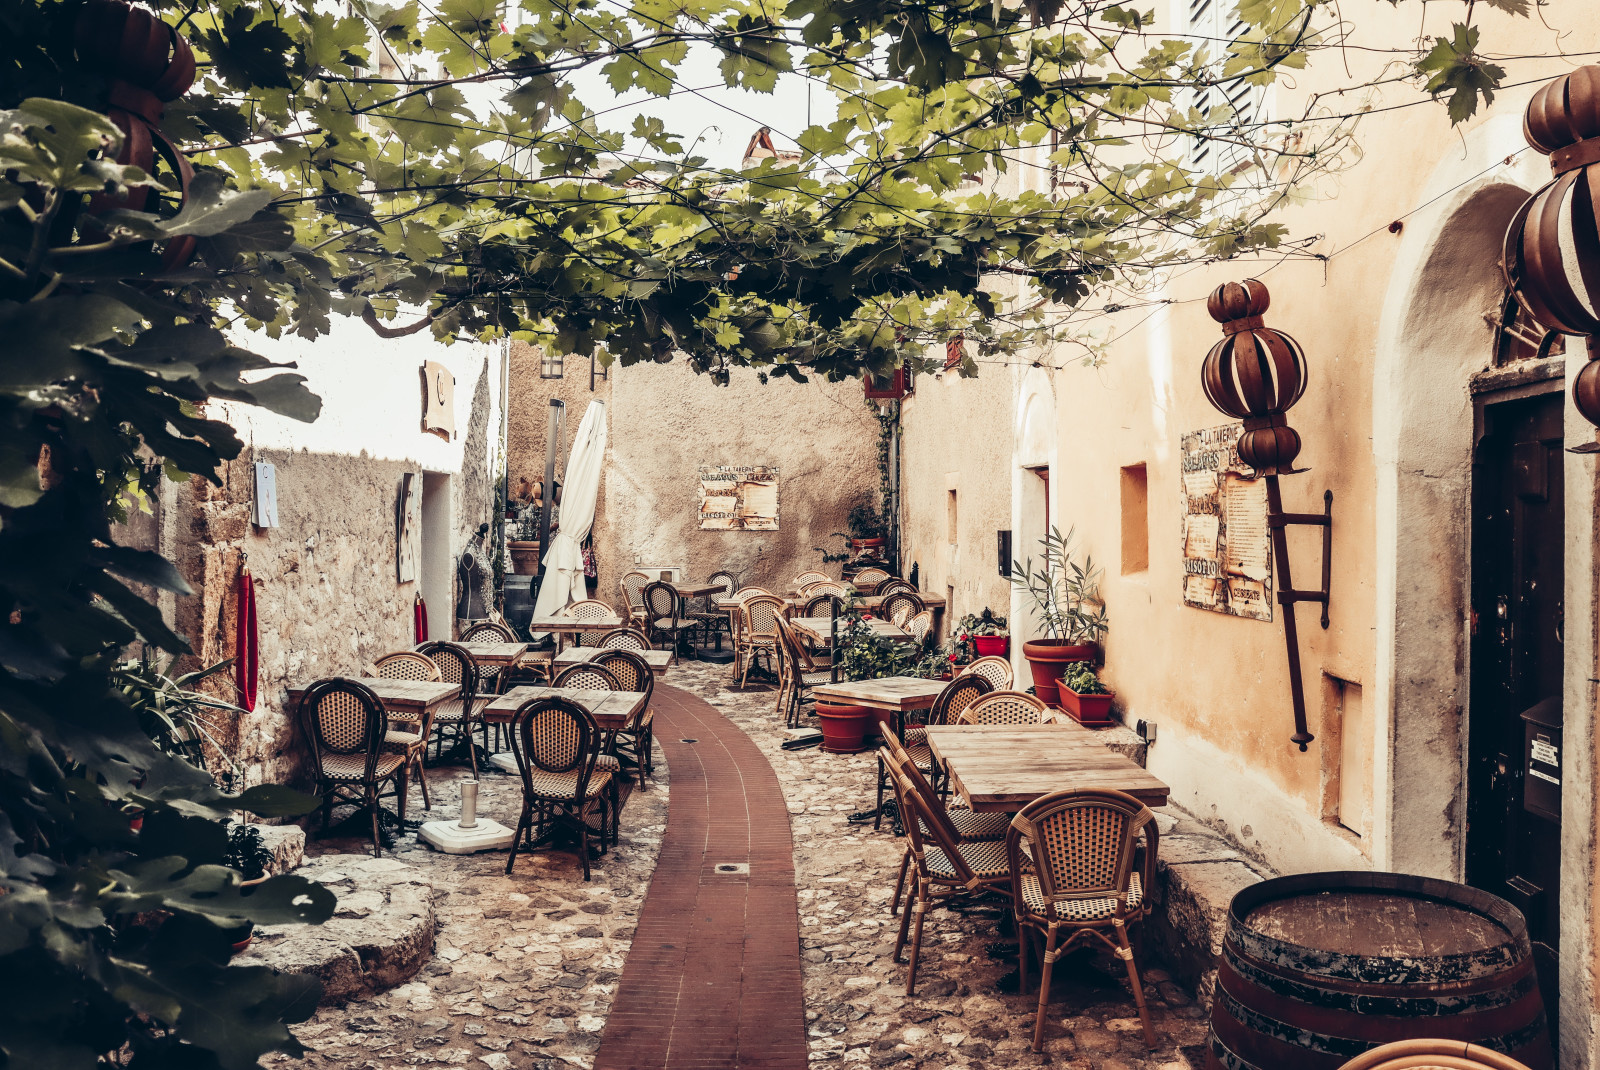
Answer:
(1255, 374)
(1552, 247)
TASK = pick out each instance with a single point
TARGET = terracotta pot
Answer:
(859, 545)
(1046, 658)
(992, 645)
(844, 728)
(249, 927)
(524, 556)
(1090, 710)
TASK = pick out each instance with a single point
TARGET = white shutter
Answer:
(1214, 24)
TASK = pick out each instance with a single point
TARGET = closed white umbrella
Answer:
(563, 563)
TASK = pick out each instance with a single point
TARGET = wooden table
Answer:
(929, 601)
(403, 700)
(695, 590)
(610, 709)
(820, 629)
(577, 655)
(564, 626)
(495, 654)
(1001, 768)
(891, 694)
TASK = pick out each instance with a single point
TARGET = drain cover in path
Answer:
(733, 868)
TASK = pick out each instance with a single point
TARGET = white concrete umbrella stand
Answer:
(472, 833)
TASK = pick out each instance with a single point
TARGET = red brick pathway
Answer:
(713, 977)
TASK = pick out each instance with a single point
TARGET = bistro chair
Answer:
(993, 668)
(622, 639)
(1432, 1055)
(894, 586)
(899, 607)
(411, 739)
(343, 724)
(830, 606)
(633, 585)
(970, 827)
(920, 626)
(868, 579)
(941, 866)
(960, 693)
(832, 587)
(633, 740)
(1077, 881)
(736, 619)
(661, 609)
(587, 677)
(760, 620)
(556, 744)
(588, 609)
(458, 716)
(1006, 708)
(810, 576)
(709, 617)
(489, 631)
(798, 676)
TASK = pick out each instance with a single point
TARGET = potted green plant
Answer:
(866, 527)
(1084, 697)
(253, 859)
(525, 546)
(860, 654)
(1065, 597)
(986, 632)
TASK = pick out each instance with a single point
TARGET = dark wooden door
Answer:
(1514, 737)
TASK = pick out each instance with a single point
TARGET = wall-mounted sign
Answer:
(738, 497)
(265, 512)
(438, 400)
(408, 528)
(1227, 555)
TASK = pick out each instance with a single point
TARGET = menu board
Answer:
(1227, 549)
(738, 497)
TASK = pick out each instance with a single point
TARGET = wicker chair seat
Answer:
(974, 826)
(987, 860)
(396, 737)
(352, 768)
(607, 763)
(449, 710)
(815, 679)
(547, 785)
(1078, 909)
(667, 624)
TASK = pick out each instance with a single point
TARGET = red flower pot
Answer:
(1091, 710)
(844, 728)
(1047, 659)
(992, 645)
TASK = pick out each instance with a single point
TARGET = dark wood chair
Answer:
(623, 639)
(343, 723)
(661, 605)
(960, 693)
(633, 740)
(556, 745)
(459, 716)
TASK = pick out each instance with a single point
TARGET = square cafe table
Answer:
(893, 695)
(1002, 768)
(820, 629)
(494, 654)
(695, 590)
(403, 700)
(564, 626)
(577, 655)
(610, 709)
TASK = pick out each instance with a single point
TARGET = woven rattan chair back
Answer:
(587, 677)
(869, 578)
(590, 609)
(895, 585)
(406, 665)
(1083, 843)
(661, 601)
(823, 605)
(623, 639)
(1007, 708)
(555, 735)
(1432, 1055)
(907, 767)
(631, 672)
(341, 716)
(935, 828)
(810, 576)
(744, 594)
(726, 581)
(995, 669)
(762, 615)
(900, 607)
(833, 587)
(633, 585)
(456, 666)
(488, 631)
(957, 697)
(921, 626)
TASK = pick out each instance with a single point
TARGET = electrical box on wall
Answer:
(265, 513)
(1003, 551)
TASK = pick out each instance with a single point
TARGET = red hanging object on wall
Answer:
(419, 616)
(246, 662)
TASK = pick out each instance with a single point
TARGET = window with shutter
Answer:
(1232, 107)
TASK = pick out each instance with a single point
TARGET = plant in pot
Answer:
(986, 633)
(1084, 697)
(866, 527)
(253, 859)
(860, 654)
(525, 546)
(1065, 597)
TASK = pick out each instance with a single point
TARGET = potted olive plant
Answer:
(866, 528)
(253, 859)
(1065, 597)
(1084, 697)
(986, 632)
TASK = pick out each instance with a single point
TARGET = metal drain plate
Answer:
(732, 869)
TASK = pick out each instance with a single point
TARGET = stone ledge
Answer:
(381, 932)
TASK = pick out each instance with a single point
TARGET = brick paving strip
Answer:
(713, 978)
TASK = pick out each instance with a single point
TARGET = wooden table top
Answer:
(929, 601)
(900, 693)
(413, 697)
(577, 655)
(1002, 768)
(494, 653)
(610, 709)
(573, 624)
(695, 590)
(820, 629)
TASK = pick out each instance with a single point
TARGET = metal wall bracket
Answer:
(1278, 521)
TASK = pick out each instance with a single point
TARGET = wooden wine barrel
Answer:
(1320, 967)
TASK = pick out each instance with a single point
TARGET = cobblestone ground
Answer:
(856, 1007)
(525, 966)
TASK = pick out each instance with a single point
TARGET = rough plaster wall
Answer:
(975, 463)
(666, 421)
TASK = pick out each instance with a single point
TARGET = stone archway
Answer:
(1035, 443)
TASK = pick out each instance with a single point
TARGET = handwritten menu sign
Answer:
(1227, 554)
(738, 497)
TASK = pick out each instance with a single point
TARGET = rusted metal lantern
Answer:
(1256, 374)
(1552, 247)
